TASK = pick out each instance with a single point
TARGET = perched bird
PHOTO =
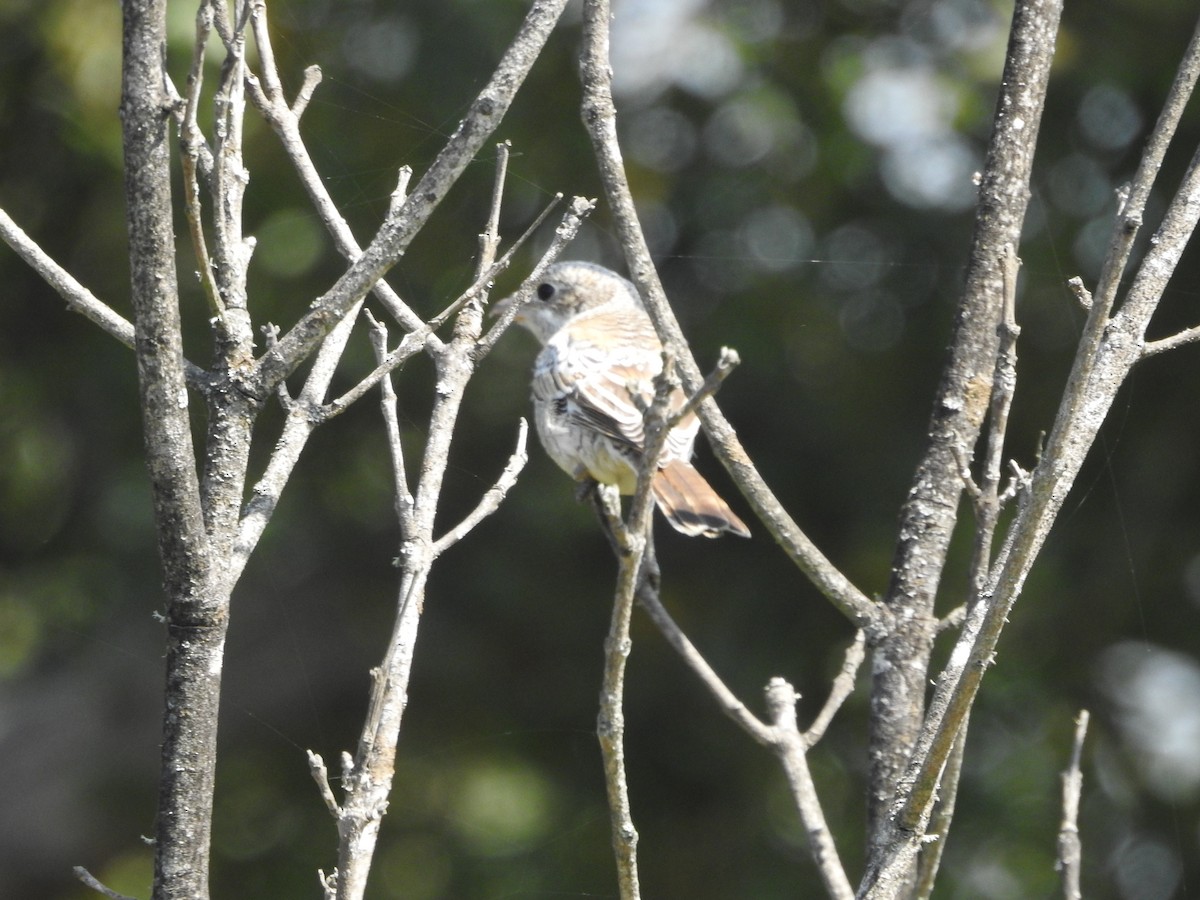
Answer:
(598, 346)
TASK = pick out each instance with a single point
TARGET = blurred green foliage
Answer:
(804, 174)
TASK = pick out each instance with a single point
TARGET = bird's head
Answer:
(566, 290)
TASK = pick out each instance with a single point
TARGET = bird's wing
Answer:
(596, 365)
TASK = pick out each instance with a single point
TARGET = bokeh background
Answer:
(805, 174)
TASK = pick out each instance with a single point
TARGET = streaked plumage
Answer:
(597, 343)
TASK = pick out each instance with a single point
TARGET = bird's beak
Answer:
(515, 301)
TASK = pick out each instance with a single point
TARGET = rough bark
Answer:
(196, 611)
(901, 659)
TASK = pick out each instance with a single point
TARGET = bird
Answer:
(599, 352)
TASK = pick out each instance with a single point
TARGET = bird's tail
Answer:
(691, 505)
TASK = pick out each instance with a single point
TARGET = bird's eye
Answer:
(545, 291)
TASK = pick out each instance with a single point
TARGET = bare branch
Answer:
(368, 774)
(415, 341)
(783, 736)
(610, 720)
(790, 747)
(637, 574)
(94, 883)
(599, 116)
(1180, 339)
(79, 299)
(196, 606)
(191, 140)
(929, 515)
(578, 210)
(1097, 374)
(1081, 293)
(1004, 385)
(1129, 217)
(394, 237)
(489, 240)
(907, 761)
(1070, 850)
(300, 423)
(391, 421)
(842, 687)
(726, 699)
(320, 774)
(492, 499)
(939, 826)
(636, 566)
(267, 96)
(312, 80)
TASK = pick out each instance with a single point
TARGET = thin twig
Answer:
(94, 883)
(178, 106)
(491, 499)
(391, 420)
(394, 237)
(299, 426)
(231, 248)
(790, 747)
(1070, 849)
(191, 140)
(726, 699)
(1179, 339)
(489, 239)
(970, 485)
(952, 619)
(1004, 384)
(1082, 295)
(939, 825)
(328, 883)
(78, 298)
(415, 341)
(320, 774)
(270, 333)
(727, 361)
(399, 195)
(579, 209)
(267, 95)
(303, 418)
(842, 687)
(312, 80)
(782, 738)
(1129, 217)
